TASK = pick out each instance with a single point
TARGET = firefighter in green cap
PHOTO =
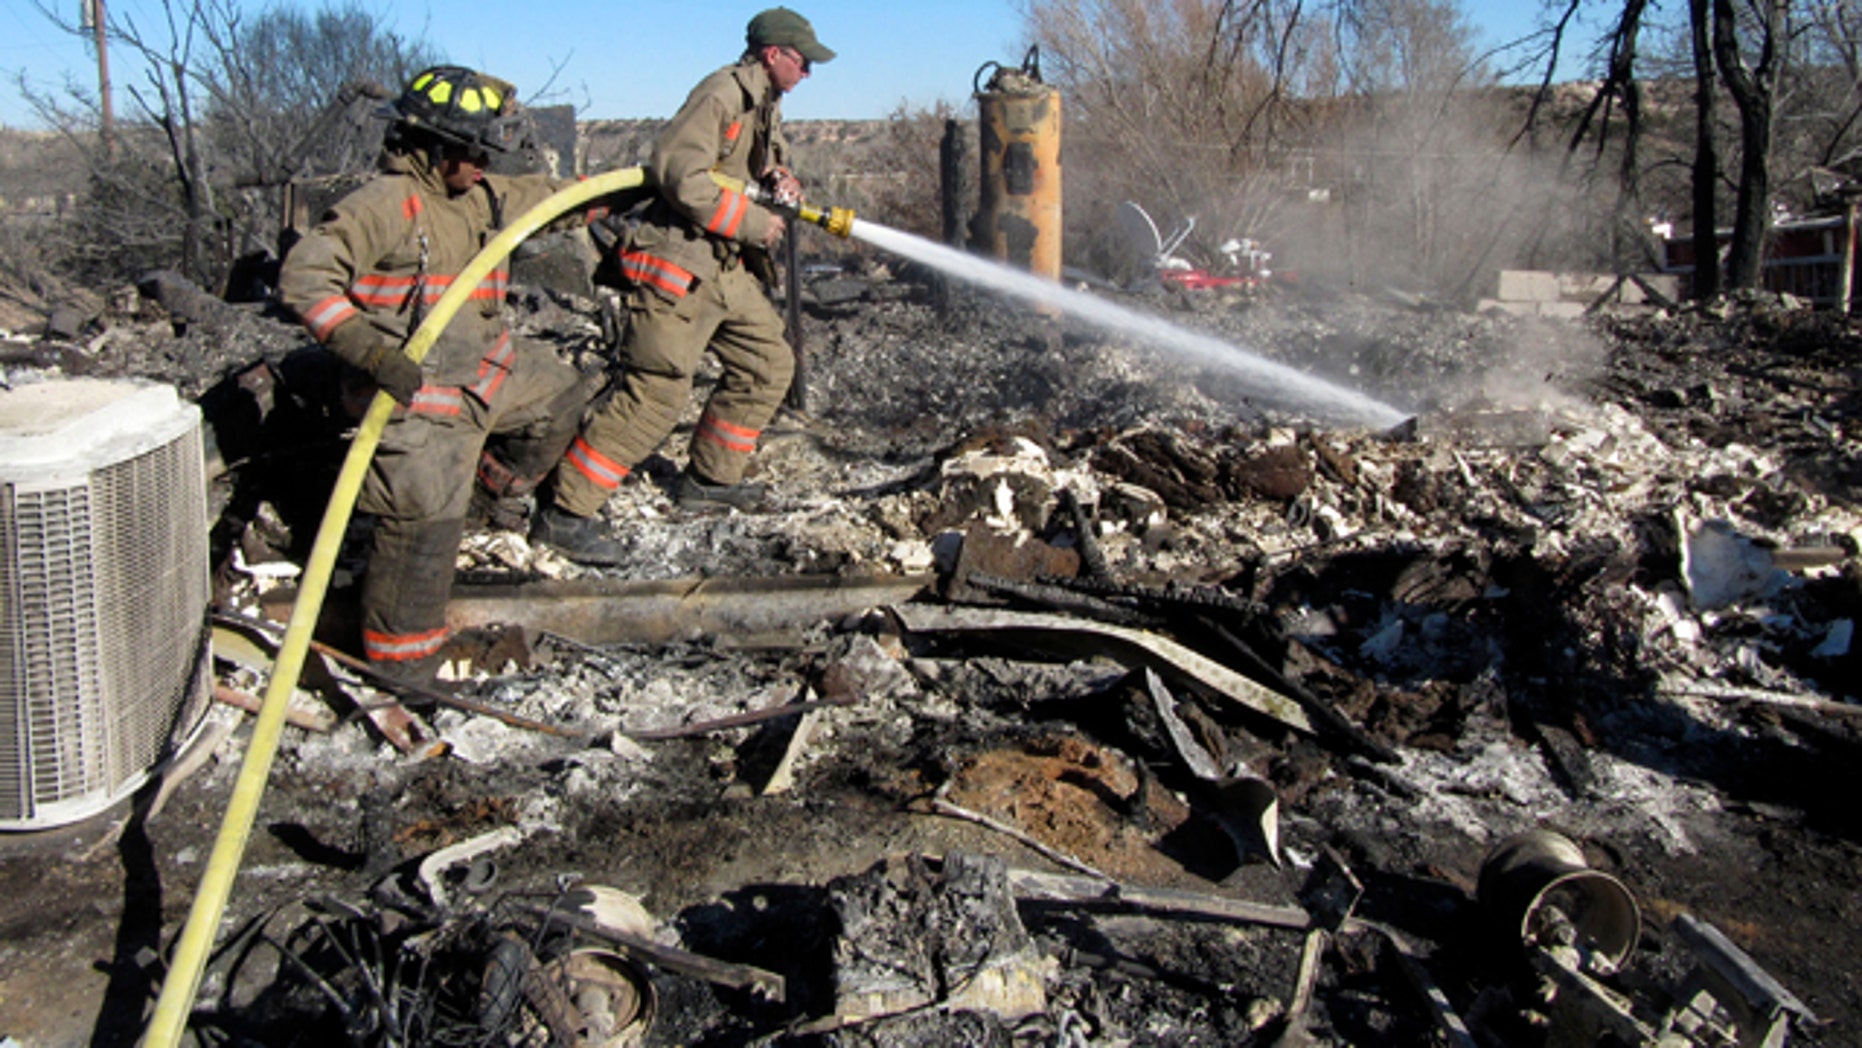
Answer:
(362, 279)
(696, 270)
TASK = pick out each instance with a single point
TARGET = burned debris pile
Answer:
(1071, 694)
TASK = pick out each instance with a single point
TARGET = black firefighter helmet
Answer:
(458, 106)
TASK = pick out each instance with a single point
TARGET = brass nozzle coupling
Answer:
(836, 220)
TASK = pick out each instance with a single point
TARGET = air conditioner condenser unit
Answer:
(104, 586)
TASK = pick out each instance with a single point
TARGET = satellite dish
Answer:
(1177, 238)
(1142, 236)
(1139, 231)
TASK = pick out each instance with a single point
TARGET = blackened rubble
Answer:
(1579, 591)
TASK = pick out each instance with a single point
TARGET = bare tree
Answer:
(1179, 106)
(284, 89)
(128, 214)
(1245, 113)
(1417, 122)
(1706, 167)
(1832, 63)
(1621, 87)
(226, 106)
(1753, 85)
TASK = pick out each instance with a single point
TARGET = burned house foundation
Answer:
(1066, 694)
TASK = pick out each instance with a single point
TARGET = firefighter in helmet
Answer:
(697, 268)
(362, 280)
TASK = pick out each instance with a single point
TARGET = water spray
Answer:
(1272, 380)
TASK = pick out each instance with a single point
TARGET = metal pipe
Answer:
(597, 611)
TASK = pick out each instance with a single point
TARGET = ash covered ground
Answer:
(1603, 582)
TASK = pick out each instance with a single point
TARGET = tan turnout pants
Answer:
(419, 486)
(733, 316)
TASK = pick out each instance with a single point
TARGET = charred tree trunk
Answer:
(1706, 155)
(1629, 185)
(184, 145)
(1754, 92)
(1619, 87)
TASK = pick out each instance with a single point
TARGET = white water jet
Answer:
(1273, 381)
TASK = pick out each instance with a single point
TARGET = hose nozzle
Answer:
(836, 220)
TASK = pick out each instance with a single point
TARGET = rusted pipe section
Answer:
(616, 611)
(602, 611)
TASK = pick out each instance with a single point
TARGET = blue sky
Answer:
(632, 58)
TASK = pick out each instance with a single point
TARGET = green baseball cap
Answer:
(781, 27)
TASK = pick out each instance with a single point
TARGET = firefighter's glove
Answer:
(362, 346)
(784, 189)
(397, 373)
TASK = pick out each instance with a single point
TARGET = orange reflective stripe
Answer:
(438, 400)
(727, 435)
(494, 367)
(493, 286)
(731, 132)
(377, 282)
(403, 647)
(411, 208)
(731, 428)
(381, 289)
(602, 471)
(326, 316)
(645, 269)
(732, 206)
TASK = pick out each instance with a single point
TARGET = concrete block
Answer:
(1562, 310)
(1528, 285)
(1584, 287)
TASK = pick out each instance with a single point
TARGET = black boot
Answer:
(419, 673)
(506, 513)
(581, 539)
(694, 493)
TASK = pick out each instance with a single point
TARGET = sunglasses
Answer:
(801, 60)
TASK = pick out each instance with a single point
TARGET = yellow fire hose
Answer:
(203, 923)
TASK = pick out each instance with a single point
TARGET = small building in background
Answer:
(1811, 258)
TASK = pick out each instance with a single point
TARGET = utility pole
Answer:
(94, 13)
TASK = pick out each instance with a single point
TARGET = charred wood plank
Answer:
(305, 719)
(1053, 597)
(1733, 693)
(1197, 609)
(1333, 725)
(1035, 886)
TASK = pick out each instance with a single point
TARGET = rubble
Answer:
(1026, 605)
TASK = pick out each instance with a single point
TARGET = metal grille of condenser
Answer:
(103, 592)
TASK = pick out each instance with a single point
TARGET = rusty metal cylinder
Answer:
(1018, 202)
